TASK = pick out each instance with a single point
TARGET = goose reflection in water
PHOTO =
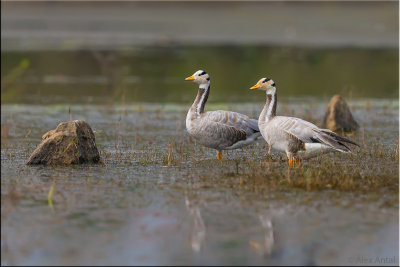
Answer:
(198, 228)
(265, 247)
(269, 240)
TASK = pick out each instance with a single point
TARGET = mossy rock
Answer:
(72, 142)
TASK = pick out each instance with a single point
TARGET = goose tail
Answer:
(335, 141)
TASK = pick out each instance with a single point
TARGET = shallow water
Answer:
(140, 208)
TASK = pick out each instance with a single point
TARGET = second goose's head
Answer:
(199, 77)
(265, 84)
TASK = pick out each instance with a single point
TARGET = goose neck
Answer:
(269, 110)
(201, 99)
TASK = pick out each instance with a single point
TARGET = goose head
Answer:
(199, 77)
(265, 84)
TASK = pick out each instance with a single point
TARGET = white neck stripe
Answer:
(202, 86)
(271, 106)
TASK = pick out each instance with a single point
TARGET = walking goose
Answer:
(294, 136)
(220, 129)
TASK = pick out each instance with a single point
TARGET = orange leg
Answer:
(219, 155)
(294, 162)
(291, 162)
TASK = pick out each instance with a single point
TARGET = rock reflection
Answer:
(197, 229)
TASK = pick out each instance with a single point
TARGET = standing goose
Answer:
(296, 137)
(220, 129)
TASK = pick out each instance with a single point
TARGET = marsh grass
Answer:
(50, 195)
(371, 167)
(173, 155)
(157, 141)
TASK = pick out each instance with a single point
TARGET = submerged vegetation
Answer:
(372, 167)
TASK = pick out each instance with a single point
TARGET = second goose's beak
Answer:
(190, 78)
(254, 87)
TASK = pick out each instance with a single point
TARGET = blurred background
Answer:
(97, 52)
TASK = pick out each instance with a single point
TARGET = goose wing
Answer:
(308, 132)
(226, 128)
(234, 120)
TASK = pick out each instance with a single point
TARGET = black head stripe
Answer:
(208, 78)
(266, 80)
(273, 84)
(202, 73)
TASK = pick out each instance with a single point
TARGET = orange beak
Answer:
(190, 78)
(254, 87)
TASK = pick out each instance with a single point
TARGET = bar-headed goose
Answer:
(296, 137)
(220, 129)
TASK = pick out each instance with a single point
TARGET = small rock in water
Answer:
(5, 131)
(72, 142)
(338, 116)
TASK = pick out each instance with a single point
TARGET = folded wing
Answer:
(310, 133)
